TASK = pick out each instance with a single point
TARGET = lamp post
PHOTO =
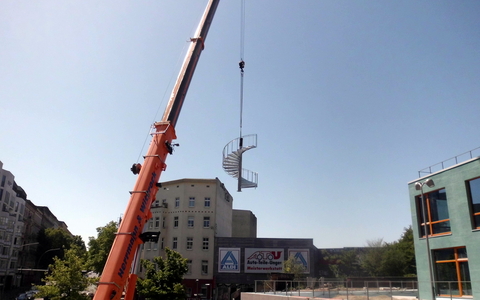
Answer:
(25, 259)
(419, 187)
(196, 295)
(41, 256)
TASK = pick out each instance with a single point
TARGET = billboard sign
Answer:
(263, 260)
(229, 260)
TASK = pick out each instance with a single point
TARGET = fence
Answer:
(347, 289)
(365, 289)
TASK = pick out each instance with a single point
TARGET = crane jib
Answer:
(123, 267)
(147, 193)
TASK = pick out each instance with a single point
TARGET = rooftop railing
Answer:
(450, 162)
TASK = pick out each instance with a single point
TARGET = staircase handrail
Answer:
(249, 140)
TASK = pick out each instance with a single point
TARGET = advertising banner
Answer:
(263, 260)
(229, 260)
(301, 256)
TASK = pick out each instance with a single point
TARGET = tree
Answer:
(53, 242)
(99, 248)
(66, 279)
(295, 267)
(343, 264)
(163, 277)
(390, 259)
(399, 256)
(372, 256)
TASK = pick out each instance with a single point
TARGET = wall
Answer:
(454, 181)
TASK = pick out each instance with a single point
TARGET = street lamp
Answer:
(196, 295)
(419, 187)
(41, 256)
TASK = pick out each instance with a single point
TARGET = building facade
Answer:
(241, 262)
(224, 256)
(12, 203)
(20, 223)
(189, 214)
(446, 228)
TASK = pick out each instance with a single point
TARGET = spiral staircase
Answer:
(232, 161)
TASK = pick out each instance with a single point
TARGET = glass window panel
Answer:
(465, 276)
(438, 205)
(477, 220)
(474, 186)
(446, 288)
(462, 253)
(441, 227)
(444, 254)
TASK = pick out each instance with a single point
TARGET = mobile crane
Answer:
(117, 276)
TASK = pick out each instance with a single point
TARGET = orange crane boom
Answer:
(117, 275)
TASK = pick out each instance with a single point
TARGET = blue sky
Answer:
(349, 100)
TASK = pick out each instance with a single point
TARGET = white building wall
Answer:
(197, 199)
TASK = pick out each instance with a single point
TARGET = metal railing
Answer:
(361, 289)
(234, 145)
(450, 162)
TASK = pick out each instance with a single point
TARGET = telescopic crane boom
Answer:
(117, 276)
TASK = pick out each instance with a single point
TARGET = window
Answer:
(452, 275)
(175, 222)
(191, 202)
(206, 222)
(189, 243)
(175, 243)
(204, 267)
(156, 203)
(205, 243)
(163, 221)
(162, 243)
(207, 202)
(150, 224)
(155, 245)
(189, 266)
(157, 222)
(473, 187)
(190, 222)
(177, 202)
(436, 211)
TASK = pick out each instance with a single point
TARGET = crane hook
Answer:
(241, 64)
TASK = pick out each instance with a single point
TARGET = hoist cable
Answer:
(242, 63)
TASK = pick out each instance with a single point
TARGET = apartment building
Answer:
(20, 223)
(12, 208)
(190, 214)
(446, 228)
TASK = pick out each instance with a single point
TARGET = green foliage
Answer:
(295, 267)
(99, 248)
(53, 242)
(343, 264)
(391, 259)
(372, 256)
(163, 277)
(66, 280)
(378, 259)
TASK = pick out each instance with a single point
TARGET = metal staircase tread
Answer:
(231, 161)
